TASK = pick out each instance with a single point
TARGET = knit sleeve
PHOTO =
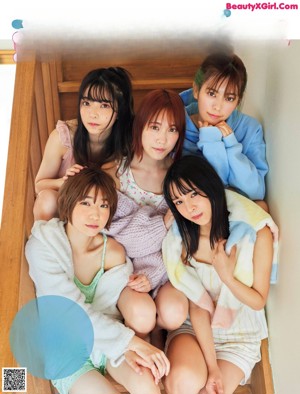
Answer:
(153, 267)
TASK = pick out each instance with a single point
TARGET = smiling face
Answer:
(215, 103)
(98, 117)
(159, 136)
(193, 205)
(90, 214)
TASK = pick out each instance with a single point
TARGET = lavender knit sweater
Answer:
(141, 231)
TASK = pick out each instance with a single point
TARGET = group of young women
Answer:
(127, 197)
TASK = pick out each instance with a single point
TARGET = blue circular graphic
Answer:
(17, 24)
(227, 13)
(52, 336)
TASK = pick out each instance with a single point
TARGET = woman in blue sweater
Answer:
(230, 140)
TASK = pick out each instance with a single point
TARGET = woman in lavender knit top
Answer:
(141, 231)
(142, 216)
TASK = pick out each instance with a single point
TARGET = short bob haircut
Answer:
(219, 67)
(78, 186)
(113, 85)
(155, 102)
(195, 173)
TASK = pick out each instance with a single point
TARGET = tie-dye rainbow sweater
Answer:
(245, 219)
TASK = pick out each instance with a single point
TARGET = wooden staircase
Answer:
(46, 90)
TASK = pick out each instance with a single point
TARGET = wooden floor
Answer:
(244, 390)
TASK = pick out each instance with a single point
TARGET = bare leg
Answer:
(188, 372)
(138, 310)
(92, 382)
(134, 383)
(45, 205)
(172, 307)
(231, 376)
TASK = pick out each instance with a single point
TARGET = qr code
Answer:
(14, 380)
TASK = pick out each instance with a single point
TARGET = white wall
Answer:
(273, 97)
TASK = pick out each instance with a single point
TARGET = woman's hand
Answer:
(75, 169)
(214, 383)
(223, 263)
(153, 358)
(224, 128)
(135, 361)
(139, 283)
(203, 124)
(168, 219)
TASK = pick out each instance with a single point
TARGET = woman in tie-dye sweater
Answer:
(219, 343)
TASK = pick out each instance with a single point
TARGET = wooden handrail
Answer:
(14, 205)
(7, 56)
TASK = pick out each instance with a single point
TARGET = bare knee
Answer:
(45, 206)
(171, 317)
(172, 309)
(182, 380)
(138, 310)
(142, 318)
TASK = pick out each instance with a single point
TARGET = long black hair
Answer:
(195, 173)
(111, 84)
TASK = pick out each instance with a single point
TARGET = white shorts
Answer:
(242, 354)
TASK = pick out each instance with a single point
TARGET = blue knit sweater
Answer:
(239, 159)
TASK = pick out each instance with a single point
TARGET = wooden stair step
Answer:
(243, 389)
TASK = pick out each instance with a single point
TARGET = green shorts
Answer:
(64, 385)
